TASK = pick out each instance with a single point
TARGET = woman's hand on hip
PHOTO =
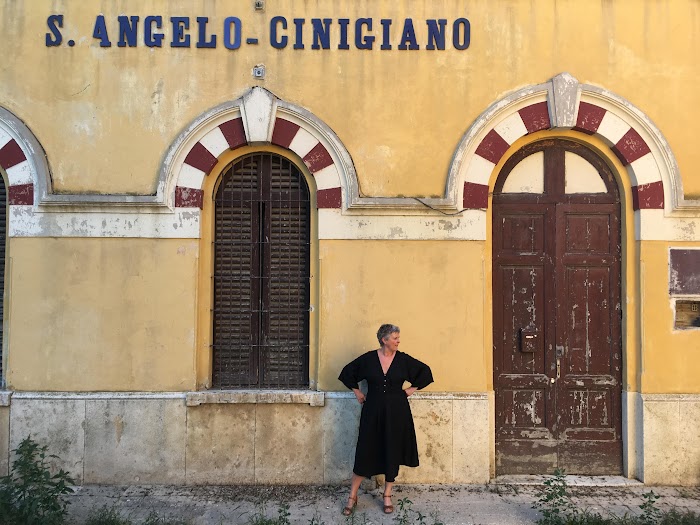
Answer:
(359, 395)
(410, 390)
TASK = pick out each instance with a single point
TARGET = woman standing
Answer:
(387, 437)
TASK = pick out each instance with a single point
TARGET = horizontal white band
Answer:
(470, 225)
(652, 225)
(25, 221)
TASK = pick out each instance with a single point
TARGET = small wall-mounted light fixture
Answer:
(259, 5)
(259, 71)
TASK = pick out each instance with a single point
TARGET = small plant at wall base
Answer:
(554, 501)
(30, 494)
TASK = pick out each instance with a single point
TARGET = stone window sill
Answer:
(302, 397)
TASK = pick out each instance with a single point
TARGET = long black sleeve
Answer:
(419, 374)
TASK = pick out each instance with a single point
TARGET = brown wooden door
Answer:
(557, 314)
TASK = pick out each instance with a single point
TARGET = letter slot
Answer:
(529, 340)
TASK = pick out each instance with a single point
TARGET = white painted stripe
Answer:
(452, 396)
(183, 223)
(653, 225)
(4, 137)
(479, 170)
(99, 395)
(327, 178)
(215, 142)
(612, 127)
(645, 170)
(512, 128)
(20, 174)
(469, 225)
(303, 142)
(190, 177)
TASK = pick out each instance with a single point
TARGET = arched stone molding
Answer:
(661, 212)
(23, 160)
(258, 118)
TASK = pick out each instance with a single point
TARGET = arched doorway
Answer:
(261, 274)
(557, 312)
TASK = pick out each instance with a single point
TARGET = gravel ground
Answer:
(493, 504)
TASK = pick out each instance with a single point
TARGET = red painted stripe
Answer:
(476, 196)
(284, 132)
(535, 117)
(188, 197)
(330, 198)
(201, 158)
(631, 147)
(318, 158)
(11, 155)
(234, 133)
(648, 196)
(493, 147)
(589, 118)
(21, 194)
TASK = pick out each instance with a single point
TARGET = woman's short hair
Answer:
(385, 331)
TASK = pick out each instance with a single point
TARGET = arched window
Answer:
(261, 275)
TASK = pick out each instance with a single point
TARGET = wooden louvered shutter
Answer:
(261, 275)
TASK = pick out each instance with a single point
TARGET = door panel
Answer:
(557, 344)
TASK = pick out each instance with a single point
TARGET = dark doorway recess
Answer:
(261, 275)
(556, 312)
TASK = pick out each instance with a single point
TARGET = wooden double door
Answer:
(557, 312)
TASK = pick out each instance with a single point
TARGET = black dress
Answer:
(387, 437)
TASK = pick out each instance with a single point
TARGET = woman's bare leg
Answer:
(355, 484)
(354, 488)
(388, 487)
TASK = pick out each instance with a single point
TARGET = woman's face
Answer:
(392, 341)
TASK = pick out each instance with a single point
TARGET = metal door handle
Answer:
(558, 367)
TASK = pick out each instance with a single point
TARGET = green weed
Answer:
(30, 494)
(554, 501)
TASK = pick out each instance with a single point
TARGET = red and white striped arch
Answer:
(626, 142)
(661, 210)
(16, 160)
(261, 118)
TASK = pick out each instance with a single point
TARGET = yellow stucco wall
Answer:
(106, 116)
(101, 314)
(670, 358)
(434, 291)
(121, 314)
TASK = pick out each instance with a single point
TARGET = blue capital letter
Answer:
(100, 31)
(236, 23)
(282, 42)
(54, 22)
(150, 38)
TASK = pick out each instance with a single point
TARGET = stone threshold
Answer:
(571, 480)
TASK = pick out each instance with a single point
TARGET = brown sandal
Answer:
(349, 509)
(388, 509)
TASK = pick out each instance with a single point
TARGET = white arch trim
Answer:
(23, 160)
(257, 118)
(661, 211)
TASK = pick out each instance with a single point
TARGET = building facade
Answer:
(211, 208)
